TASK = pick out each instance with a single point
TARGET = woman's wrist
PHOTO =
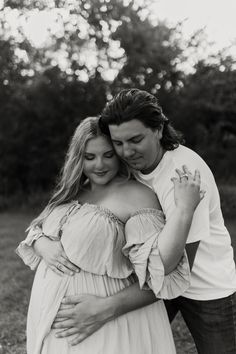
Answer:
(38, 244)
(185, 212)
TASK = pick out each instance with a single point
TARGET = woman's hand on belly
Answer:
(54, 256)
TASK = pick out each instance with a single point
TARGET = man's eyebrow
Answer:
(133, 137)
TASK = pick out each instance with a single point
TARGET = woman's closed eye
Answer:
(109, 154)
(89, 157)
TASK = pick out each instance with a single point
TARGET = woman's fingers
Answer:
(187, 172)
(55, 270)
(179, 172)
(183, 176)
(197, 177)
(69, 265)
(202, 194)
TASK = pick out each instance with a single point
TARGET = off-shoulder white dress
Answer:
(108, 253)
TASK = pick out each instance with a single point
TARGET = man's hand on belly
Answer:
(81, 315)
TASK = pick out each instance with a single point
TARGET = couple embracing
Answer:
(132, 234)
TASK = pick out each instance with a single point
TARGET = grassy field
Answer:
(16, 280)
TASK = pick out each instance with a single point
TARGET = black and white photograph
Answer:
(117, 177)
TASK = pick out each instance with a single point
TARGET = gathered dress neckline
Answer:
(113, 216)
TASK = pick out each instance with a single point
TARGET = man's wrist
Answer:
(109, 308)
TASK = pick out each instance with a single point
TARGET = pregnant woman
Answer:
(111, 228)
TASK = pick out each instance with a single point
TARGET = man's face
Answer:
(138, 145)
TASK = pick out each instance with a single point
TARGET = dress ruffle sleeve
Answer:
(50, 228)
(25, 249)
(142, 231)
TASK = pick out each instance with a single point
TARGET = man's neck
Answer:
(155, 163)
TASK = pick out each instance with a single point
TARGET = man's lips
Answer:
(133, 160)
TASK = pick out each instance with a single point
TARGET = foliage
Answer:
(100, 47)
(207, 104)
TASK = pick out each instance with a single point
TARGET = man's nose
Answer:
(128, 151)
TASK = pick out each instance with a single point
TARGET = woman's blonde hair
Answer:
(71, 178)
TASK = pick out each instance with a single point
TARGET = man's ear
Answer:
(159, 132)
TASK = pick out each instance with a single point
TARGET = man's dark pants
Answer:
(212, 323)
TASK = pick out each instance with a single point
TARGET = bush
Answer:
(228, 200)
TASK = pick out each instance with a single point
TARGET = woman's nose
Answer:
(99, 163)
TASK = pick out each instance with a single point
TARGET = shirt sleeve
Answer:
(142, 231)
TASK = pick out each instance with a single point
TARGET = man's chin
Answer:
(136, 166)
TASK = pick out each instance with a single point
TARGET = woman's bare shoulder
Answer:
(140, 195)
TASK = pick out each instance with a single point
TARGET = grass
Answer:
(16, 280)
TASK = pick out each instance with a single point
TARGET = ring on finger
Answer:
(184, 175)
(59, 267)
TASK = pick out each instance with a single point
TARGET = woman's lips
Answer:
(102, 173)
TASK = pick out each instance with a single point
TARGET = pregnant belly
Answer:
(100, 285)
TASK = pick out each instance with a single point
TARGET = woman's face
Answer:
(101, 164)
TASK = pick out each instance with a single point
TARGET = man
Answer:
(144, 138)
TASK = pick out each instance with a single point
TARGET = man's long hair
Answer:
(132, 104)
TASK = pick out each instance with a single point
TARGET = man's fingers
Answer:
(57, 320)
(63, 307)
(64, 313)
(63, 324)
(73, 299)
(66, 307)
(78, 339)
(66, 333)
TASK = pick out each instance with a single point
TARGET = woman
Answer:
(100, 216)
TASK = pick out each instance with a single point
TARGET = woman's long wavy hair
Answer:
(71, 177)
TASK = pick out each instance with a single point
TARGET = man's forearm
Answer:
(128, 299)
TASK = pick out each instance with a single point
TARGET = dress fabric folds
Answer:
(111, 256)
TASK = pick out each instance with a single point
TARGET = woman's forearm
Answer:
(172, 239)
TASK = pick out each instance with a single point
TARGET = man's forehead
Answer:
(127, 129)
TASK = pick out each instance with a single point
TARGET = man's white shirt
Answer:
(213, 274)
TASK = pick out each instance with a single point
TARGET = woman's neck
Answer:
(99, 188)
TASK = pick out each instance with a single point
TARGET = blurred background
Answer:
(61, 60)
